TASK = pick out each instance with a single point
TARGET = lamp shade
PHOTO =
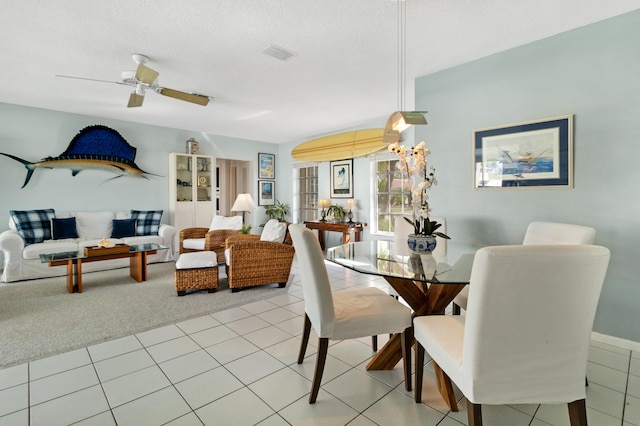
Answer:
(350, 204)
(400, 121)
(323, 204)
(244, 203)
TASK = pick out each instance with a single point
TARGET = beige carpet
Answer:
(38, 318)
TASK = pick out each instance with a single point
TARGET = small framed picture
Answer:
(266, 166)
(266, 193)
(531, 154)
(341, 178)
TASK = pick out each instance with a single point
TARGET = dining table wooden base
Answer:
(430, 300)
(433, 301)
(427, 283)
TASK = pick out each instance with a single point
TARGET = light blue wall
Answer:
(591, 72)
(33, 134)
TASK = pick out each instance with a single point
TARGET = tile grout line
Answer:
(626, 389)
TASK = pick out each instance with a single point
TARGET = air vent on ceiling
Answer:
(277, 52)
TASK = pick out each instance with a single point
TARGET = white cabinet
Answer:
(191, 190)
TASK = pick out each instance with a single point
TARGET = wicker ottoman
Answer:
(196, 271)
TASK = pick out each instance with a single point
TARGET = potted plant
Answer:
(337, 211)
(423, 240)
(278, 211)
(245, 229)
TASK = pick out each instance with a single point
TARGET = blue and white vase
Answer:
(421, 244)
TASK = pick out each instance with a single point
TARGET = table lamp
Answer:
(244, 203)
(323, 204)
(350, 205)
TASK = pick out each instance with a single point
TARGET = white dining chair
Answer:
(346, 314)
(541, 233)
(507, 352)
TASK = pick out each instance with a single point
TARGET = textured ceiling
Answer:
(343, 74)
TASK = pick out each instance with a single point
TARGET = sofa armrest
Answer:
(192, 233)
(240, 237)
(215, 240)
(11, 244)
(168, 234)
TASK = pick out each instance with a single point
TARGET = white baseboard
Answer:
(616, 341)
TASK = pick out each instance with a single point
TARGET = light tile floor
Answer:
(238, 367)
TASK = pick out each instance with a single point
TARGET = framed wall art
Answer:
(524, 155)
(266, 166)
(341, 178)
(266, 193)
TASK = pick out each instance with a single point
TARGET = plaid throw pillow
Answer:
(147, 222)
(34, 226)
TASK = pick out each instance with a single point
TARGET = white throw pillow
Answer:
(94, 225)
(222, 222)
(274, 231)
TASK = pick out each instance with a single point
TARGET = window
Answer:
(305, 195)
(392, 193)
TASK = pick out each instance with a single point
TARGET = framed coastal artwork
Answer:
(341, 178)
(531, 154)
(266, 193)
(266, 166)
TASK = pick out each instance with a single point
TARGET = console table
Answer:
(344, 228)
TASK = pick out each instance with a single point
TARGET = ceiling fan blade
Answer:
(146, 74)
(183, 96)
(135, 100)
(92, 79)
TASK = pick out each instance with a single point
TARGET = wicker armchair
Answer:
(252, 262)
(213, 240)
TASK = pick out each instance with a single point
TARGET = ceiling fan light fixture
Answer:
(135, 100)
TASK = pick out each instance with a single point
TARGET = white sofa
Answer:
(22, 261)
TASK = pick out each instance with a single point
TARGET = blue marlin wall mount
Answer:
(93, 148)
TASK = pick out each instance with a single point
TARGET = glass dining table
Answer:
(427, 283)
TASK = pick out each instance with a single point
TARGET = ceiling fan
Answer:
(144, 78)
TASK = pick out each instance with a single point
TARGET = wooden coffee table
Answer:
(73, 260)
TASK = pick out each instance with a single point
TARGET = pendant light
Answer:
(400, 120)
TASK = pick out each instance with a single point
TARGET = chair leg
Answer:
(417, 389)
(374, 343)
(323, 346)
(455, 309)
(474, 414)
(578, 413)
(407, 340)
(305, 338)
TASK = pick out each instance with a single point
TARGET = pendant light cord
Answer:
(402, 56)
